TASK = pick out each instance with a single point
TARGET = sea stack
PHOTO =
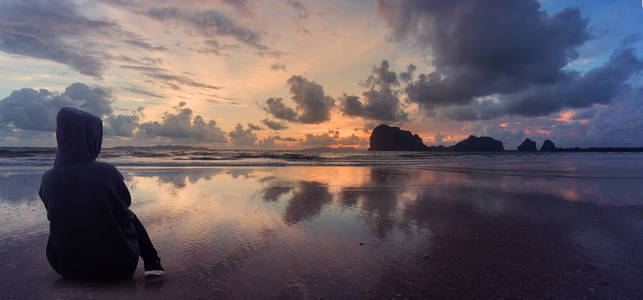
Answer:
(548, 146)
(527, 146)
(387, 138)
(473, 143)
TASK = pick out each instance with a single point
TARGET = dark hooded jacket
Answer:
(91, 235)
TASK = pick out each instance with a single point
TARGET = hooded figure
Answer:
(92, 232)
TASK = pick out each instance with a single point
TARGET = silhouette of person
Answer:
(93, 235)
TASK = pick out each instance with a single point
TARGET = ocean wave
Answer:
(173, 157)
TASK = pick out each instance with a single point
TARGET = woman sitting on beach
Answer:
(92, 233)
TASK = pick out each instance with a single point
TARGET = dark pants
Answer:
(151, 259)
(105, 264)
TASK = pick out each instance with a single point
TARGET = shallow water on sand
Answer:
(458, 229)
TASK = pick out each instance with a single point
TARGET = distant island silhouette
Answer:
(389, 138)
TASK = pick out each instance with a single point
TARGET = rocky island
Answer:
(528, 146)
(387, 138)
(477, 144)
(548, 146)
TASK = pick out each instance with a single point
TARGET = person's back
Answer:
(93, 234)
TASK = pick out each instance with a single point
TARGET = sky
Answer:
(276, 74)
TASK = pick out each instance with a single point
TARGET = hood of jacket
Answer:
(79, 135)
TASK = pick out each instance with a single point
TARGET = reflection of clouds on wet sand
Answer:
(306, 202)
(19, 186)
(360, 232)
(378, 199)
(176, 176)
(20, 206)
(272, 193)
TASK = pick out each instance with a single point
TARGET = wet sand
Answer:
(355, 233)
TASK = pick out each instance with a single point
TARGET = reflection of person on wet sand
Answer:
(92, 233)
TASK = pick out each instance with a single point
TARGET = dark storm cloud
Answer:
(242, 137)
(274, 125)
(584, 114)
(501, 57)
(381, 100)
(300, 8)
(210, 23)
(183, 124)
(29, 109)
(597, 86)
(41, 29)
(618, 124)
(277, 108)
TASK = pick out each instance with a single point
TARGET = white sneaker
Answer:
(153, 274)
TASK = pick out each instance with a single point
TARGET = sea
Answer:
(602, 165)
(202, 157)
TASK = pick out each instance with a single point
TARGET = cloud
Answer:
(501, 58)
(141, 43)
(210, 23)
(277, 108)
(143, 92)
(597, 86)
(95, 100)
(331, 138)
(408, 75)
(381, 100)
(243, 6)
(183, 124)
(286, 139)
(43, 29)
(242, 137)
(168, 78)
(312, 105)
(216, 48)
(617, 124)
(299, 7)
(277, 67)
(271, 141)
(254, 127)
(303, 31)
(29, 109)
(274, 125)
(120, 125)
(171, 78)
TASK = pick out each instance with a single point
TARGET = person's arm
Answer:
(42, 197)
(123, 191)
